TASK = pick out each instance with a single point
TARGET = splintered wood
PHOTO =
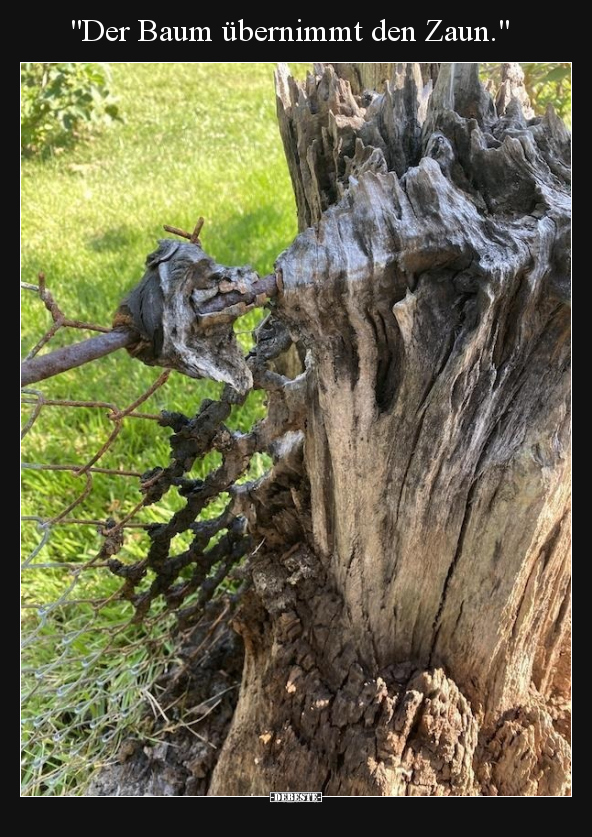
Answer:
(409, 646)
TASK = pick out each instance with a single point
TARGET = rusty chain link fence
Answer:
(102, 595)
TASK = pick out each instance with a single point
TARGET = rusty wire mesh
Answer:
(97, 629)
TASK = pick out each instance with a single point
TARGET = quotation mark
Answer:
(504, 24)
(76, 24)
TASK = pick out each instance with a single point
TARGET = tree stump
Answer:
(410, 601)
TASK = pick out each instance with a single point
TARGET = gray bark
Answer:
(406, 629)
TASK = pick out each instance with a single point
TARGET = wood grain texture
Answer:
(411, 600)
(183, 310)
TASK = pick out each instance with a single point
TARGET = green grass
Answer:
(198, 139)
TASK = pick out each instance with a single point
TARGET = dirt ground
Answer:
(198, 698)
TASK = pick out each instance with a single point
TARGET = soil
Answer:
(198, 697)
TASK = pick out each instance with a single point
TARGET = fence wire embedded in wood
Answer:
(122, 550)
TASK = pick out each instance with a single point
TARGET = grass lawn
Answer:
(198, 139)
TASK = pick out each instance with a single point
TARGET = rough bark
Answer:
(410, 601)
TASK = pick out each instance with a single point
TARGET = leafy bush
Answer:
(549, 84)
(60, 101)
(546, 84)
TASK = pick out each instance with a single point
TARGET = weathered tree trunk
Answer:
(410, 599)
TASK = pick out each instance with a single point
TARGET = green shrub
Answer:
(60, 101)
(546, 84)
(549, 84)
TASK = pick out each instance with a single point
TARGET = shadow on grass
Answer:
(116, 239)
(251, 232)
